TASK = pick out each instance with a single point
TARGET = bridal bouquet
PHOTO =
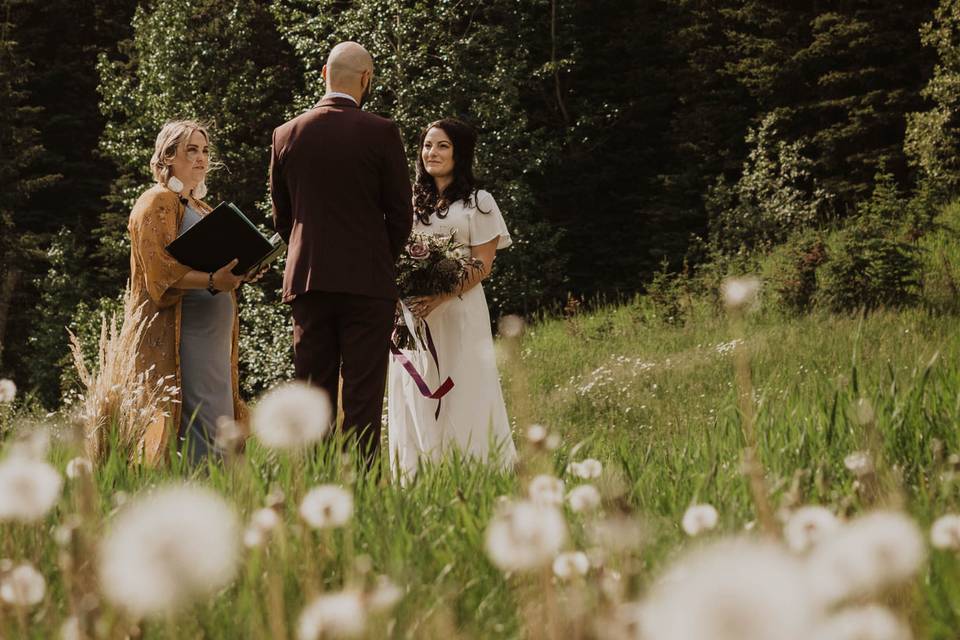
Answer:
(430, 265)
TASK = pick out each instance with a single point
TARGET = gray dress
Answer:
(206, 341)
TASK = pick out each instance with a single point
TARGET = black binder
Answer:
(222, 235)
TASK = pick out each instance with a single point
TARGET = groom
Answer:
(342, 202)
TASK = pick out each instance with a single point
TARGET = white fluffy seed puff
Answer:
(327, 506)
(525, 535)
(871, 622)
(699, 518)
(22, 586)
(333, 615)
(291, 416)
(546, 489)
(167, 548)
(738, 293)
(583, 498)
(570, 565)
(873, 552)
(945, 532)
(8, 390)
(732, 590)
(29, 488)
(587, 469)
(807, 526)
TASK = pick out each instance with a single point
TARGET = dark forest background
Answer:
(634, 145)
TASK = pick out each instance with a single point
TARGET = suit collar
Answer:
(331, 101)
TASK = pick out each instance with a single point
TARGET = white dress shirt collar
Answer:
(337, 94)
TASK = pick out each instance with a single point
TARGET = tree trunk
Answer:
(7, 286)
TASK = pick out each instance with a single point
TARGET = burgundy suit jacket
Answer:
(341, 200)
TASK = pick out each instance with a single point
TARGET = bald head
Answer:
(349, 69)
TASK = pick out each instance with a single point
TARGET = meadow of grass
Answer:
(656, 404)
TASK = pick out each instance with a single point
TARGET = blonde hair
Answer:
(173, 134)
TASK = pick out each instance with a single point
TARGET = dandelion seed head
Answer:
(859, 463)
(70, 629)
(78, 467)
(291, 416)
(23, 586)
(511, 326)
(571, 564)
(333, 615)
(699, 518)
(327, 506)
(167, 548)
(546, 489)
(8, 390)
(807, 526)
(945, 532)
(871, 622)
(385, 595)
(29, 489)
(869, 554)
(740, 292)
(587, 469)
(536, 433)
(265, 519)
(583, 498)
(525, 535)
(731, 590)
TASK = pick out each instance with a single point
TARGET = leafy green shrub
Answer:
(669, 293)
(869, 264)
(940, 256)
(791, 270)
(266, 341)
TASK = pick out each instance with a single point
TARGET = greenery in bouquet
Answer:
(430, 265)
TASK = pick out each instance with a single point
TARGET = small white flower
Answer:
(327, 506)
(28, 489)
(291, 416)
(871, 622)
(807, 526)
(79, 466)
(546, 489)
(8, 390)
(871, 553)
(699, 518)
(732, 590)
(945, 532)
(859, 463)
(525, 535)
(587, 469)
(584, 497)
(385, 595)
(169, 547)
(23, 586)
(739, 292)
(570, 564)
(333, 615)
(536, 433)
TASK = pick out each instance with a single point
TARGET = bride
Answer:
(472, 418)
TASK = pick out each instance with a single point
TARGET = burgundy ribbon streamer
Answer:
(442, 390)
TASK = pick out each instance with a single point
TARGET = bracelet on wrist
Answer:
(212, 289)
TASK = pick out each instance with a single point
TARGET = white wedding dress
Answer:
(472, 419)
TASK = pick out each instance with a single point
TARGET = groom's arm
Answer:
(280, 197)
(395, 193)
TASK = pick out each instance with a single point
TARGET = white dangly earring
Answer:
(200, 190)
(175, 184)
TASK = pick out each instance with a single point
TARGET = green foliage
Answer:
(775, 195)
(266, 340)
(940, 255)
(791, 270)
(869, 264)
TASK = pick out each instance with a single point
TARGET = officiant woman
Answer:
(192, 341)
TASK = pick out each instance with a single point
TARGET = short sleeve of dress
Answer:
(486, 222)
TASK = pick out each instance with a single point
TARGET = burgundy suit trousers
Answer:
(348, 335)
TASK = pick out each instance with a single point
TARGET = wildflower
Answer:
(807, 526)
(384, 596)
(291, 415)
(587, 469)
(945, 532)
(546, 489)
(584, 497)
(872, 552)
(333, 615)
(23, 586)
(79, 466)
(28, 489)
(327, 506)
(568, 565)
(739, 292)
(167, 548)
(8, 390)
(525, 535)
(736, 589)
(871, 622)
(699, 518)
(859, 463)
(511, 326)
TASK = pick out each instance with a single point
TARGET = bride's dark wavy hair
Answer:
(426, 199)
